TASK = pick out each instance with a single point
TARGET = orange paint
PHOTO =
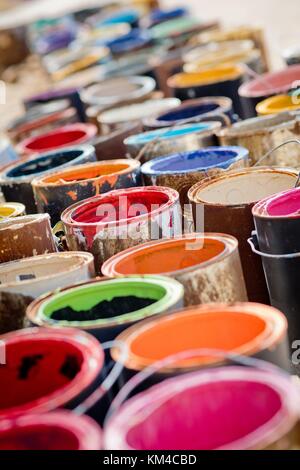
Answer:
(170, 256)
(244, 328)
(206, 77)
(73, 195)
(86, 172)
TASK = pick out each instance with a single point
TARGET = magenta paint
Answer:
(284, 204)
(233, 408)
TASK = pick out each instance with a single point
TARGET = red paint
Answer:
(61, 430)
(46, 369)
(74, 134)
(284, 204)
(126, 205)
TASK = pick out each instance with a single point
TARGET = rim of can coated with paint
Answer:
(262, 209)
(84, 132)
(264, 328)
(226, 246)
(8, 270)
(195, 191)
(167, 292)
(71, 176)
(181, 390)
(234, 155)
(92, 362)
(11, 209)
(81, 431)
(93, 95)
(80, 153)
(20, 222)
(210, 76)
(172, 196)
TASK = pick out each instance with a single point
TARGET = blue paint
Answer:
(189, 112)
(199, 160)
(168, 133)
(52, 160)
(158, 16)
(130, 16)
(133, 40)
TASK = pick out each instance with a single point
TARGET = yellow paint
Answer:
(207, 76)
(278, 104)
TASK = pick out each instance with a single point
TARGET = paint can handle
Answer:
(145, 374)
(270, 152)
(253, 242)
(108, 382)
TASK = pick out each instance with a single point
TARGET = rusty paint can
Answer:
(25, 237)
(55, 192)
(227, 202)
(149, 145)
(16, 180)
(182, 170)
(24, 280)
(109, 223)
(260, 134)
(207, 265)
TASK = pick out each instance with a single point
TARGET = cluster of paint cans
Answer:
(149, 240)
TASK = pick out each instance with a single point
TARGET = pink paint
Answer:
(51, 431)
(271, 83)
(73, 134)
(224, 408)
(284, 204)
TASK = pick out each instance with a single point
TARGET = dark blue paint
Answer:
(199, 160)
(133, 40)
(189, 112)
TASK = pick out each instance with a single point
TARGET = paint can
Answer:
(208, 266)
(24, 280)
(238, 33)
(247, 329)
(33, 125)
(149, 145)
(260, 134)
(136, 40)
(7, 153)
(180, 29)
(70, 94)
(223, 53)
(111, 146)
(114, 91)
(60, 430)
(47, 369)
(158, 16)
(276, 221)
(182, 170)
(113, 118)
(227, 202)
(10, 210)
(215, 81)
(55, 192)
(26, 236)
(66, 136)
(278, 104)
(267, 85)
(170, 415)
(105, 308)
(201, 109)
(15, 181)
(109, 223)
